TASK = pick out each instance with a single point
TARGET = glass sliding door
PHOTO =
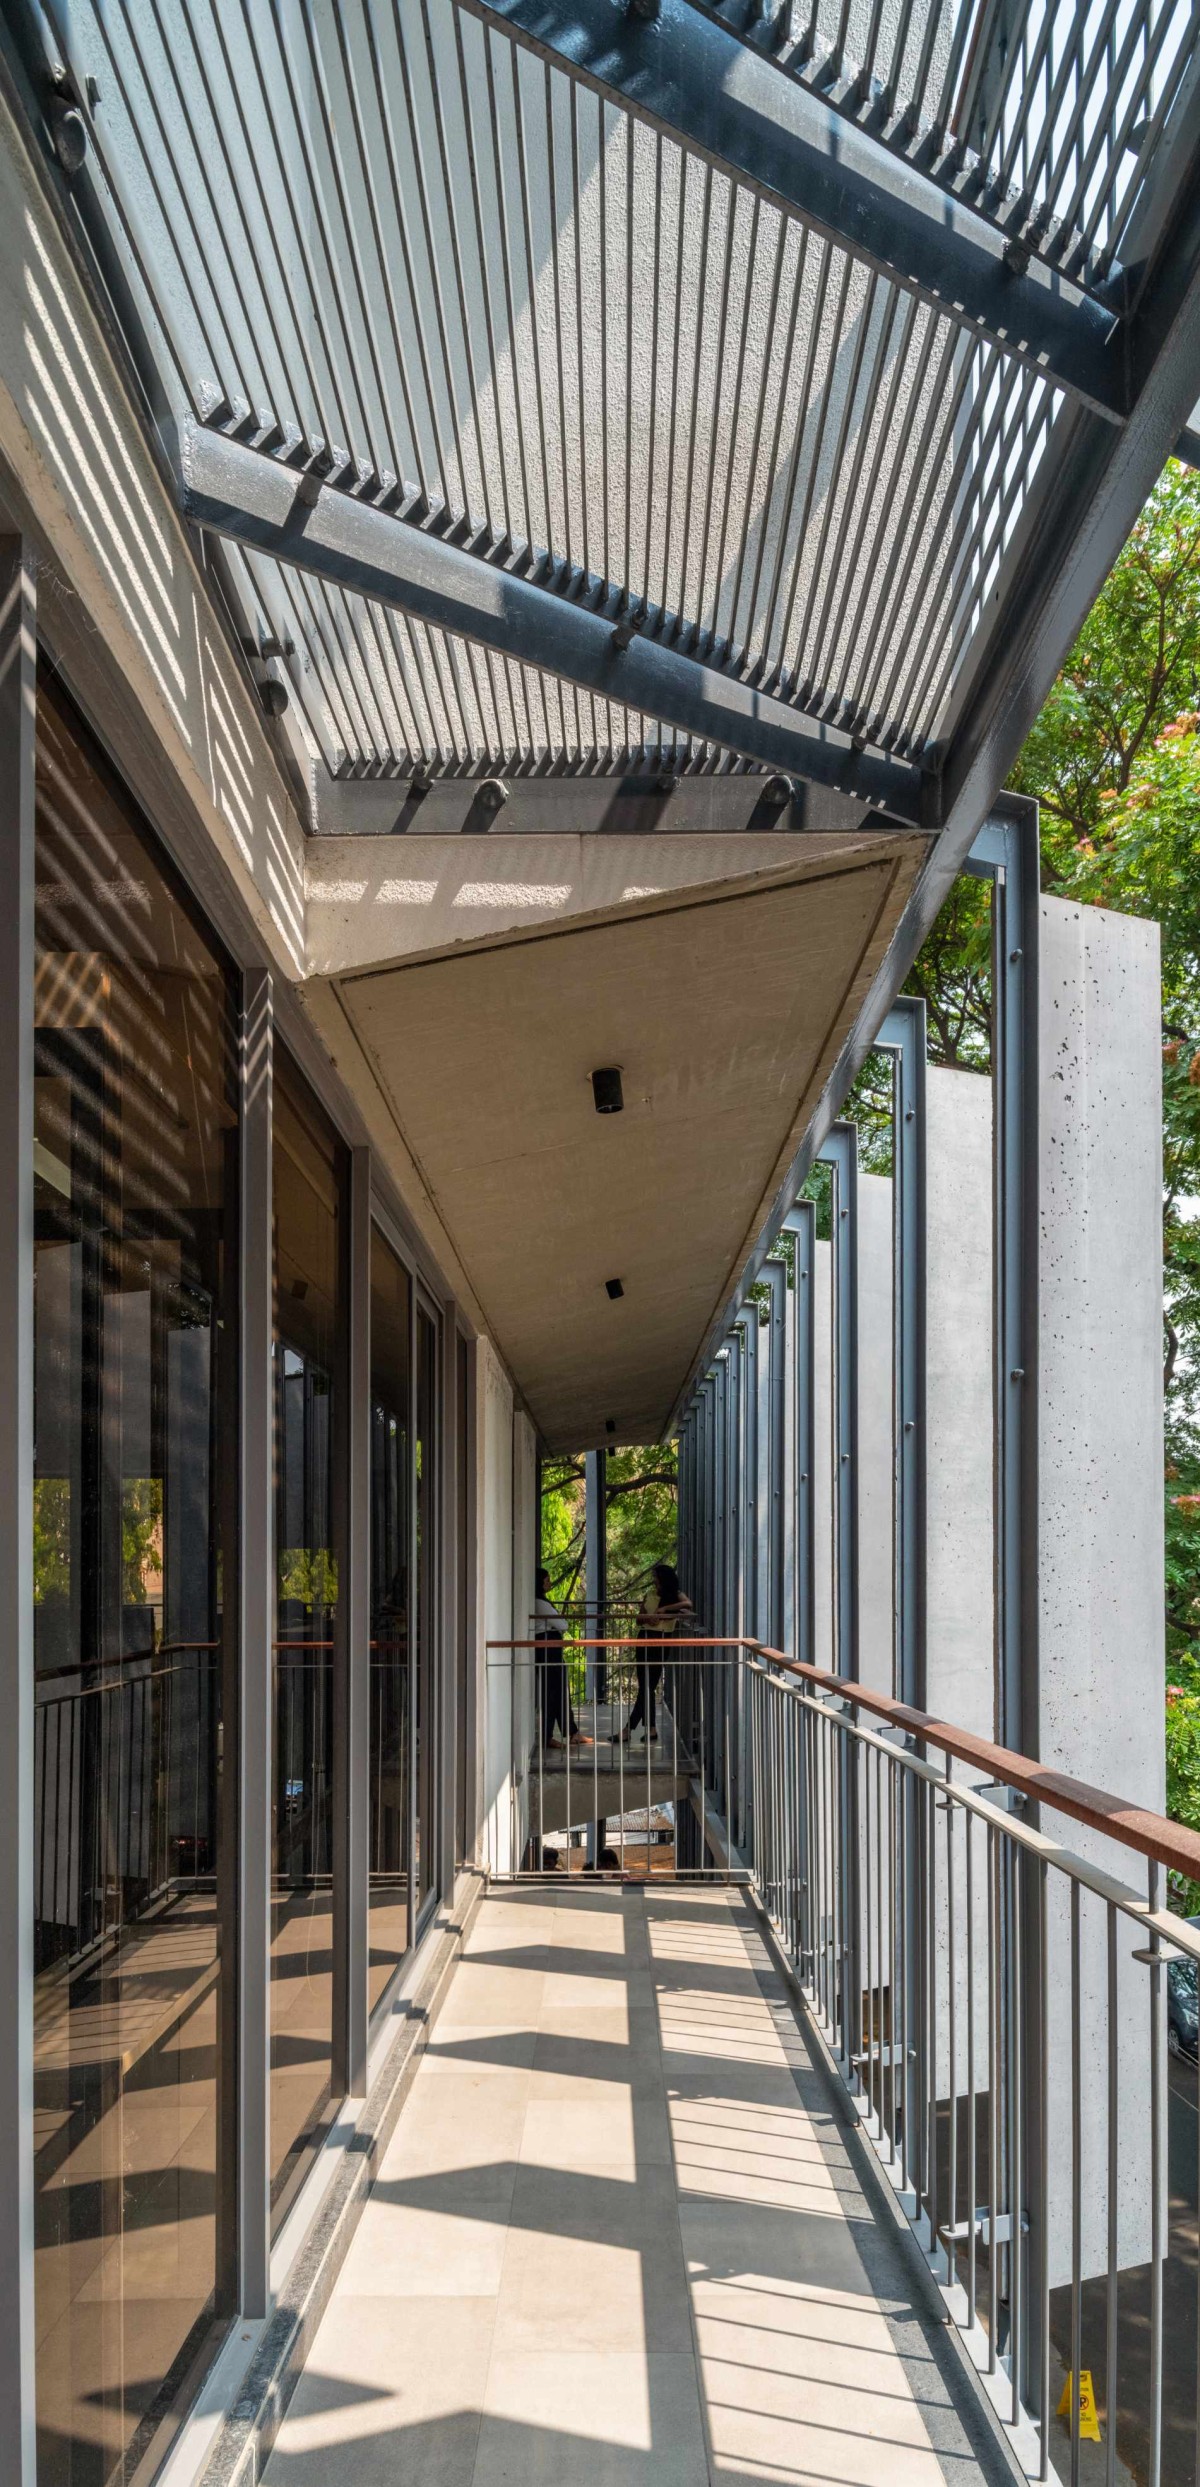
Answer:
(391, 1587)
(134, 1559)
(309, 1170)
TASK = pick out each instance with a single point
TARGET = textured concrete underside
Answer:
(619, 2239)
(726, 1009)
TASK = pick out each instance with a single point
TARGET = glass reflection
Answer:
(425, 1845)
(308, 1174)
(134, 1153)
(391, 1487)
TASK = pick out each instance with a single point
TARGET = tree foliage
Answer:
(1114, 762)
(642, 1513)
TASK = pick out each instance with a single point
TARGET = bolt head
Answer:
(68, 136)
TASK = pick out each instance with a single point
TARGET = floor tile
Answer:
(595, 2420)
(614, 2241)
(386, 2397)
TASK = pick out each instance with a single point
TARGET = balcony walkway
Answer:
(618, 2237)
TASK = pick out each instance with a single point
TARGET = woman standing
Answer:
(664, 1612)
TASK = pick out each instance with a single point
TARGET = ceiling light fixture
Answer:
(607, 1090)
(614, 1287)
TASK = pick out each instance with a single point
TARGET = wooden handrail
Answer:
(1149, 1834)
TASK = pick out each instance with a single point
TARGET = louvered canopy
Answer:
(776, 339)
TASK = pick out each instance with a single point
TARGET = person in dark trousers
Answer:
(664, 1611)
(558, 1717)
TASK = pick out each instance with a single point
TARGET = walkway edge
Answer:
(242, 2448)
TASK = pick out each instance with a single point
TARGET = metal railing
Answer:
(985, 1949)
(125, 1773)
(1000, 2004)
(614, 1754)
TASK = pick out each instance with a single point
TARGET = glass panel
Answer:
(427, 1604)
(464, 1777)
(135, 1420)
(308, 1174)
(391, 1485)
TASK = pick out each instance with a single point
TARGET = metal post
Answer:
(775, 1276)
(595, 1538)
(18, 695)
(256, 1598)
(1007, 851)
(903, 1035)
(353, 1693)
(720, 1471)
(802, 1223)
(841, 1152)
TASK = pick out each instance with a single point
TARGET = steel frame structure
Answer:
(1102, 305)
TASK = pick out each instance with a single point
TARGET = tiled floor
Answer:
(618, 2240)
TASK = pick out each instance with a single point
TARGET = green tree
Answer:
(642, 1516)
(1114, 762)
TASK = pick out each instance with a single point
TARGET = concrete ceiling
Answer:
(726, 1008)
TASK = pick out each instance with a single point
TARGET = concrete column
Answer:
(876, 1442)
(960, 1533)
(1099, 1699)
(959, 1260)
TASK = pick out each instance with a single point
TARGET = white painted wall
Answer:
(1099, 1403)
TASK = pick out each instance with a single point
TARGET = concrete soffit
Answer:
(725, 1002)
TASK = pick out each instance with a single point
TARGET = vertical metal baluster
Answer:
(879, 1919)
(952, 2029)
(701, 1672)
(905, 1789)
(1157, 2176)
(993, 2093)
(972, 2111)
(931, 1990)
(540, 1690)
(826, 1893)
(868, 1933)
(675, 1769)
(893, 1960)
(1076, 2188)
(1043, 2239)
(1110, 2309)
(621, 1781)
(920, 1974)
(833, 1783)
(1016, 2160)
(567, 1750)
